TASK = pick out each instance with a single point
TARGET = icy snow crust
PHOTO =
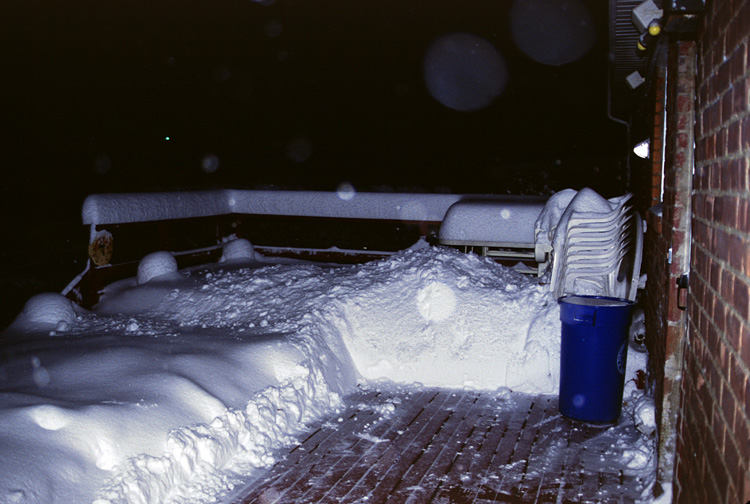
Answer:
(174, 387)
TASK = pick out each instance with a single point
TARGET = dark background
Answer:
(291, 94)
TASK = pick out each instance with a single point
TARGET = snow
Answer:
(504, 219)
(156, 265)
(49, 308)
(546, 223)
(552, 224)
(345, 203)
(139, 207)
(237, 250)
(172, 388)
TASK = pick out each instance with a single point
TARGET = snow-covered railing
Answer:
(341, 226)
(142, 207)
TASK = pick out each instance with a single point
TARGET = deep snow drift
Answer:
(180, 381)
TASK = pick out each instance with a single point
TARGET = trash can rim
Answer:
(585, 300)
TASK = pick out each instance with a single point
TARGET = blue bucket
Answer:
(593, 356)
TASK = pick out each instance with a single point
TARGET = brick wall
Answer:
(659, 294)
(671, 246)
(713, 446)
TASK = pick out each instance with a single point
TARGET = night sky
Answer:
(292, 94)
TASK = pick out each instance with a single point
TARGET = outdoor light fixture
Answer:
(642, 149)
(647, 18)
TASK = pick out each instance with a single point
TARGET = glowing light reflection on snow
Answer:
(436, 302)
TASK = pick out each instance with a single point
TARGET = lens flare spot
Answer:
(346, 191)
(436, 302)
(464, 72)
(210, 163)
(49, 417)
(552, 32)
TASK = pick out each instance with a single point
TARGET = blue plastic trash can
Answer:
(593, 356)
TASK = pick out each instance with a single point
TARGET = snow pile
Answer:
(49, 309)
(238, 250)
(442, 318)
(171, 389)
(433, 316)
(637, 332)
(639, 455)
(156, 265)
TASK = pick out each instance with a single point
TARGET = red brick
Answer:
(732, 457)
(741, 432)
(734, 325)
(722, 355)
(727, 285)
(736, 175)
(736, 377)
(723, 76)
(728, 407)
(743, 220)
(714, 115)
(718, 214)
(720, 243)
(734, 137)
(738, 60)
(741, 298)
(740, 94)
(727, 103)
(704, 328)
(721, 143)
(733, 338)
(744, 349)
(720, 316)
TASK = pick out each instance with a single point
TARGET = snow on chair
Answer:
(597, 247)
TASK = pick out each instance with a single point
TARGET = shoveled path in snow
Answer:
(447, 446)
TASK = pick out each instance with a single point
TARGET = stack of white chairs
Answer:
(598, 253)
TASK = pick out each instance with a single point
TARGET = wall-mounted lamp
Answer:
(642, 150)
(647, 18)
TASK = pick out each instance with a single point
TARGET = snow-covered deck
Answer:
(450, 446)
(183, 384)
